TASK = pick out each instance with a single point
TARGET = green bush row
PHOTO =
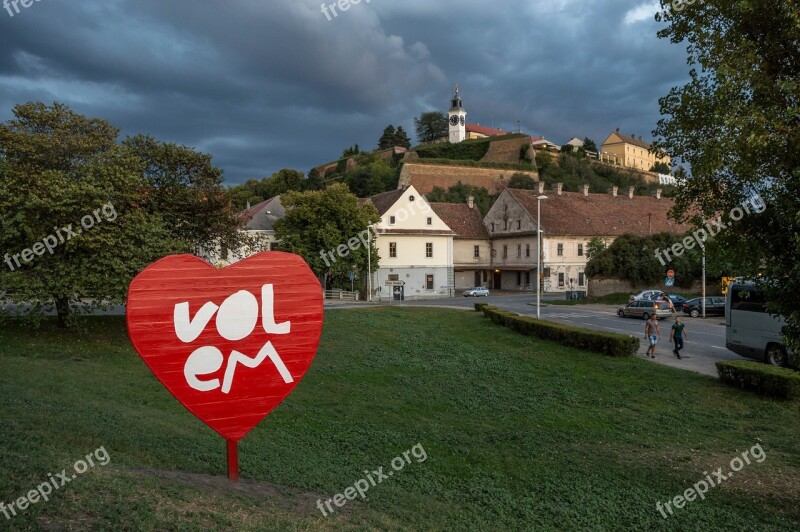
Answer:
(761, 378)
(609, 344)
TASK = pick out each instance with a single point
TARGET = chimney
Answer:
(471, 202)
(558, 188)
(631, 191)
(617, 130)
(658, 193)
(540, 187)
(586, 190)
(614, 191)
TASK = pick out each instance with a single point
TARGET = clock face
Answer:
(463, 121)
(454, 120)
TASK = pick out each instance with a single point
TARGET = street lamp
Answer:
(703, 300)
(539, 255)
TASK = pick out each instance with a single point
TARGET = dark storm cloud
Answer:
(264, 85)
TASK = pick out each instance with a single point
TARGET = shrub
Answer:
(609, 344)
(761, 378)
(479, 306)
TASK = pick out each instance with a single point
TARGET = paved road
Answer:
(705, 346)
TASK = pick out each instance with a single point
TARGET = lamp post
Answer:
(369, 265)
(539, 255)
(703, 300)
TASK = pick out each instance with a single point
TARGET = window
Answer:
(561, 280)
(393, 250)
(394, 277)
(391, 220)
(430, 221)
(411, 198)
(561, 250)
(581, 279)
(505, 251)
(527, 277)
(505, 225)
(580, 250)
(477, 252)
(429, 282)
(519, 251)
(527, 250)
(519, 225)
(492, 227)
(429, 250)
(519, 278)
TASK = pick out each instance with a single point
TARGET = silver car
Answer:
(645, 309)
(645, 294)
(478, 291)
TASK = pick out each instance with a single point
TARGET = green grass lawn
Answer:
(519, 434)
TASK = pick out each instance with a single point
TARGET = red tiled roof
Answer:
(483, 130)
(573, 214)
(383, 202)
(467, 223)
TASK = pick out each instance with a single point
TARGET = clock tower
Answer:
(457, 120)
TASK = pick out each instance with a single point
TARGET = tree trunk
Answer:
(62, 309)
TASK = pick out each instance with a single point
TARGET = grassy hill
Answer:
(518, 433)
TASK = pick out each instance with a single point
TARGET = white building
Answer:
(415, 246)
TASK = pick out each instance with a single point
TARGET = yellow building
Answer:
(631, 152)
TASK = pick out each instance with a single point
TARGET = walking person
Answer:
(677, 335)
(652, 332)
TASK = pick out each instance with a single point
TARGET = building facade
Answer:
(415, 246)
(631, 152)
(471, 246)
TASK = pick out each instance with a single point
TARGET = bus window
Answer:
(748, 300)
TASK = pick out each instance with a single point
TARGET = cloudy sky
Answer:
(267, 84)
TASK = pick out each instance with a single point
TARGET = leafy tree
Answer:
(371, 176)
(589, 145)
(522, 181)
(388, 139)
(351, 151)
(314, 181)
(596, 246)
(338, 218)
(77, 222)
(431, 126)
(186, 189)
(251, 191)
(736, 123)
(460, 193)
(284, 181)
(401, 138)
(661, 168)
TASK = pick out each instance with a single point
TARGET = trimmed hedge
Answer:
(479, 306)
(609, 344)
(763, 379)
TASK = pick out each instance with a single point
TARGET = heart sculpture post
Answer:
(229, 344)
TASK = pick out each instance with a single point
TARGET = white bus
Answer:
(750, 330)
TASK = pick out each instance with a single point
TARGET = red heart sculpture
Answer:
(229, 344)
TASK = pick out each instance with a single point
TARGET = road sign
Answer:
(671, 274)
(352, 275)
(395, 283)
(670, 282)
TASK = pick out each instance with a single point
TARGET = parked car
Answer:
(715, 306)
(644, 309)
(677, 301)
(645, 294)
(478, 291)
